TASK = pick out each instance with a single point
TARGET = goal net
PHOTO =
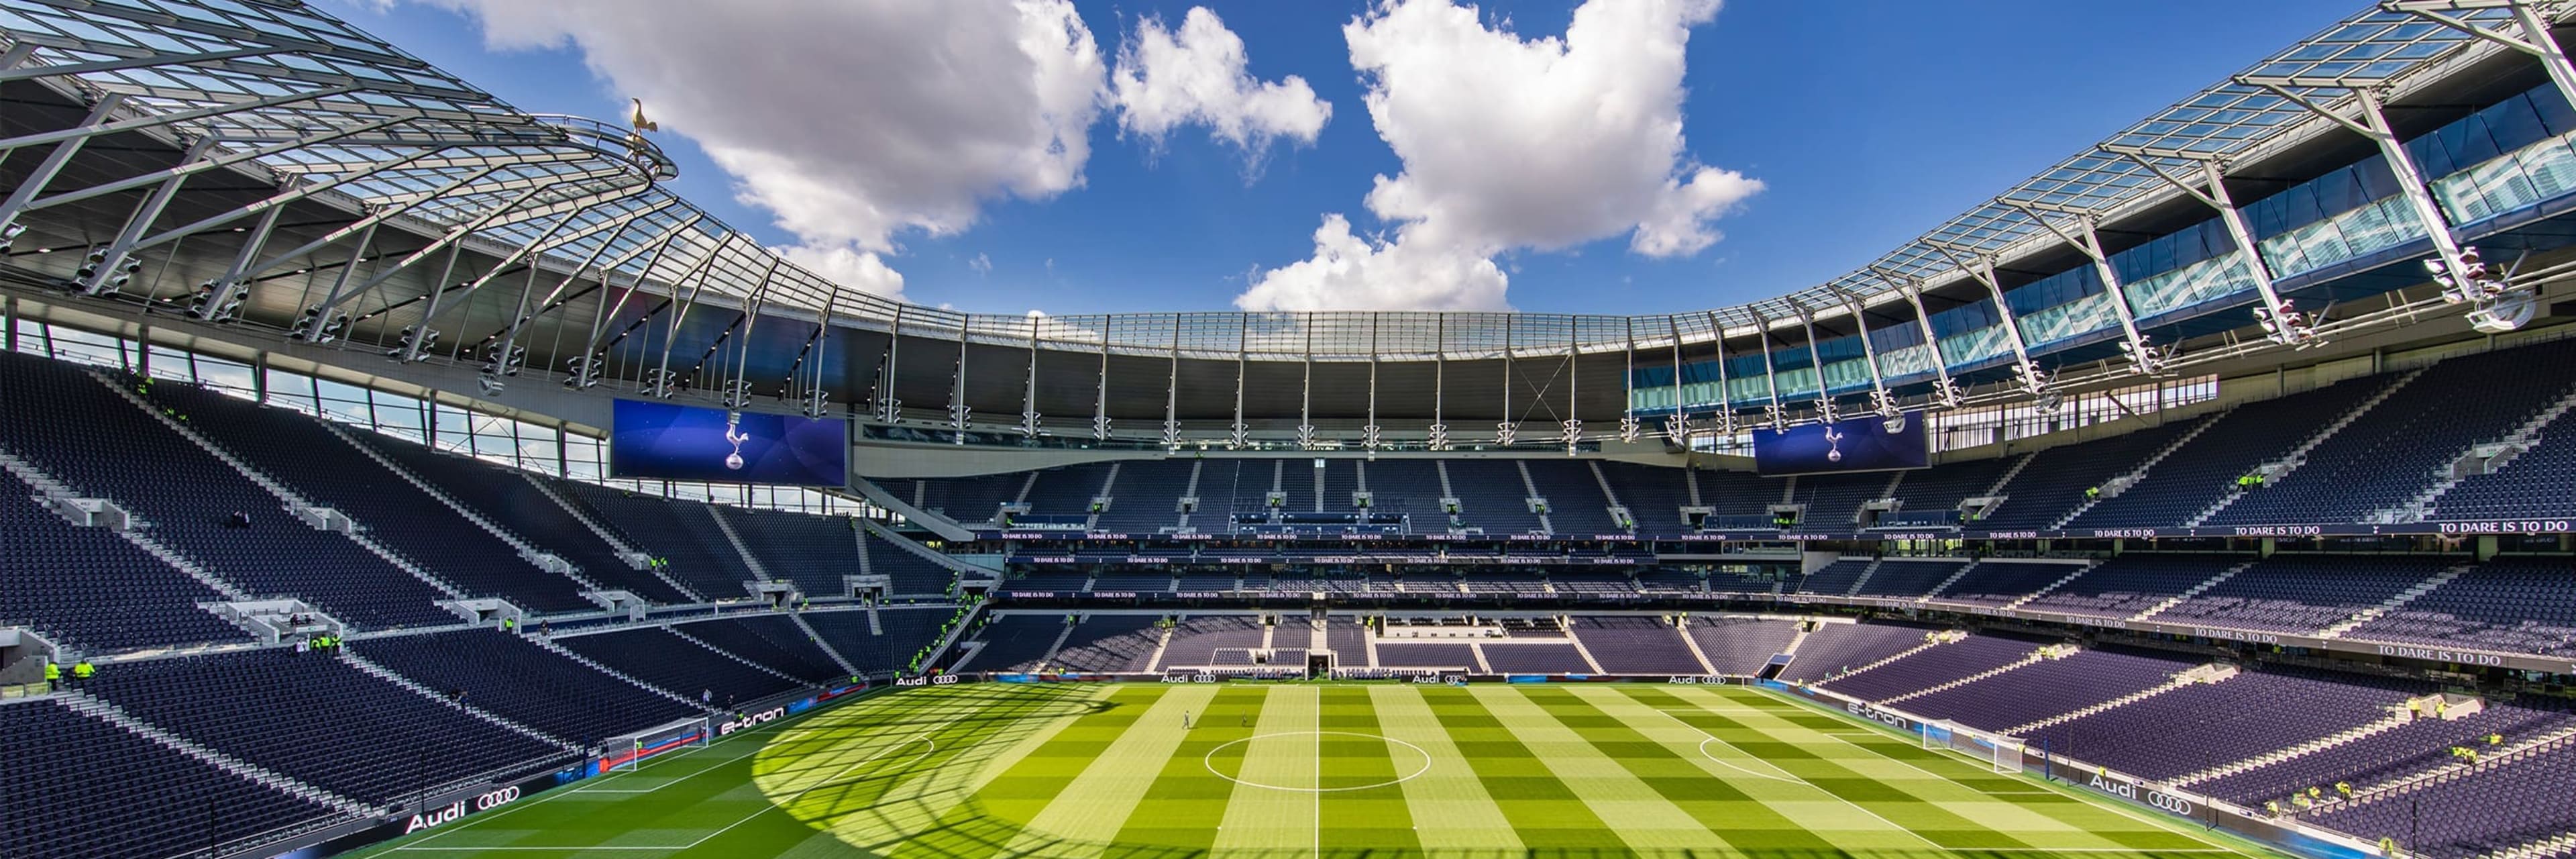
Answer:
(630, 750)
(2007, 757)
(1936, 735)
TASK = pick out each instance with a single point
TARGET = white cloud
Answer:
(852, 269)
(852, 122)
(1350, 272)
(981, 264)
(1512, 143)
(1170, 78)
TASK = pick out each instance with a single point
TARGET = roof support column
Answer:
(585, 367)
(889, 409)
(738, 390)
(113, 269)
(1306, 394)
(1825, 410)
(1438, 431)
(284, 197)
(52, 165)
(1236, 435)
(1725, 388)
(1677, 424)
(1945, 393)
(1571, 432)
(958, 411)
(1776, 413)
(816, 396)
(1029, 394)
(2283, 325)
(1171, 388)
(2496, 306)
(1628, 428)
(2145, 359)
(2535, 38)
(1369, 433)
(1507, 430)
(659, 384)
(1880, 399)
(1982, 268)
(1100, 403)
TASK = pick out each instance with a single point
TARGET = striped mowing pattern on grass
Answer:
(1343, 770)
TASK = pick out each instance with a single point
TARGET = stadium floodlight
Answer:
(1676, 427)
(1776, 417)
(1825, 410)
(9, 234)
(1629, 429)
(2287, 327)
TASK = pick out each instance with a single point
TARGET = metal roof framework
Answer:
(333, 114)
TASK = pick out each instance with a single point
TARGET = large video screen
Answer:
(1852, 444)
(662, 441)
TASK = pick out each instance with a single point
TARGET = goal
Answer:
(2003, 754)
(630, 750)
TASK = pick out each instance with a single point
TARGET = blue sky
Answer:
(1865, 123)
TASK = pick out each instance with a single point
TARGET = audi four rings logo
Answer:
(2170, 802)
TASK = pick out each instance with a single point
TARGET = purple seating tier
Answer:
(1535, 658)
(1635, 645)
(1837, 647)
(367, 738)
(2197, 727)
(1741, 646)
(1934, 666)
(111, 794)
(2051, 687)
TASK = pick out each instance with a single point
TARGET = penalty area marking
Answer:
(1209, 760)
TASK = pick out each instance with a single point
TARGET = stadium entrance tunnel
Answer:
(1318, 761)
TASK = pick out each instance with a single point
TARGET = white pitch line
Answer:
(423, 844)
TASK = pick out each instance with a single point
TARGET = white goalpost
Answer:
(630, 750)
(2001, 753)
(2007, 758)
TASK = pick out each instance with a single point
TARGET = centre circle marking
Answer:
(1210, 761)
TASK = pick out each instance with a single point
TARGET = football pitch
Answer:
(1343, 770)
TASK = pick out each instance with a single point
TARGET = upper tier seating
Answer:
(1835, 578)
(812, 551)
(2128, 584)
(512, 498)
(1147, 496)
(1425, 654)
(2392, 451)
(2001, 582)
(513, 678)
(911, 573)
(967, 500)
(320, 720)
(320, 466)
(1654, 496)
(1491, 496)
(87, 789)
(2522, 605)
(2305, 593)
(1939, 490)
(2531, 485)
(2205, 469)
(1575, 504)
(681, 531)
(2054, 482)
(1909, 577)
(1833, 500)
(1067, 490)
(89, 588)
(80, 432)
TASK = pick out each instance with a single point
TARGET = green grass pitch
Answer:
(1341, 770)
